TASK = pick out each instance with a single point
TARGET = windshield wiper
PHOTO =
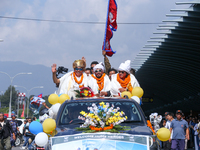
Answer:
(130, 121)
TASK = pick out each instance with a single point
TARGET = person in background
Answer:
(27, 133)
(196, 136)
(5, 130)
(106, 62)
(94, 63)
(111, 72)
(34, 118)
(15, 128)
(24, 137)
(180, 132)
(88, 71)
(170, 117)
(132, 71)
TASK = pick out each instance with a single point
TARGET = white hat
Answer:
(98, 66)
(126, 66)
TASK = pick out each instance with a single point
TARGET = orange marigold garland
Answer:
(126, 83)
(79, 82)
(150, 126)
(100, 81)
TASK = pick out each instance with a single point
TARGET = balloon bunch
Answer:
(46, 129)
(41, 131)
(136, 94)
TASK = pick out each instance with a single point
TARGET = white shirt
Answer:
(2, 123)
(196, 129)
(106, 86)
(168, 123)
(68, 84)
(115, 85)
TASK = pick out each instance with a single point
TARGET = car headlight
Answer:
(152, 139)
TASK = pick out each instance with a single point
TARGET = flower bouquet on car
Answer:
(102, 118)
(84, 92)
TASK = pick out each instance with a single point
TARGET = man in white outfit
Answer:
(102, 80)
(123, 81)
(73, 80)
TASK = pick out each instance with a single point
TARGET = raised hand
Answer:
(53, 68)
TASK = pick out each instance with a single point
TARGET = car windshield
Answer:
(72, 111)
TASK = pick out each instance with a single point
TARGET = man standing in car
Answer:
(5, 129)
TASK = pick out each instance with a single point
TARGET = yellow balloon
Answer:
(49, 125)
(126, 93)
(63, 98)
(137, 91)
(53, 99)
(163, 134)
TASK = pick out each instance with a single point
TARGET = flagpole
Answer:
(106, 26)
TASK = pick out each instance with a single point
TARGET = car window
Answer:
(72, 111)
(19, 122)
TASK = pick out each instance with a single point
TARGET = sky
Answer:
(45, 43)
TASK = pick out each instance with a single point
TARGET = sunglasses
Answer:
(98, 70)
(122, 72)
(80, 69)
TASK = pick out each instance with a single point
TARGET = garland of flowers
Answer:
(102, 119)
(125, 82)
(150, 126)
(79, 82)
(129, 87)
(100, 81)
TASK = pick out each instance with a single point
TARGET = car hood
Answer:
(134, 129)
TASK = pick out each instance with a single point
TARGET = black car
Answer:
(67, 117)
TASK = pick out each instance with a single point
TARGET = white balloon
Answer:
(55, 108)
(41, 139)
(137, 99)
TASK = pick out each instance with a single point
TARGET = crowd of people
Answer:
(184, 130)
(9, 130)
(102, 79)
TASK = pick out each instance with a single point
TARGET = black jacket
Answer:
(5, 130)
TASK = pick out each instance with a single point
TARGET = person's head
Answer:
(79, 67)
(25, 121)
(166, 115)
(111, 72)
(183, 116)
(94, 63)
(13, 117)
(132, 71)
(34, 118)
(29, 120)
(124, 69)
(88, 71)
(170, 116)
(1, 116)
(179, 114)
(98, 70)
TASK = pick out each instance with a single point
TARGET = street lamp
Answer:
(0, 99)
(11, 80)
(28, 94)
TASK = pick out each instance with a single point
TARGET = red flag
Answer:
(111, 25)
(40, 96)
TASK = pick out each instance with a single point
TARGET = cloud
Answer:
(47, 43)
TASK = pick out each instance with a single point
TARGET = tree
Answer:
(5, 98)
